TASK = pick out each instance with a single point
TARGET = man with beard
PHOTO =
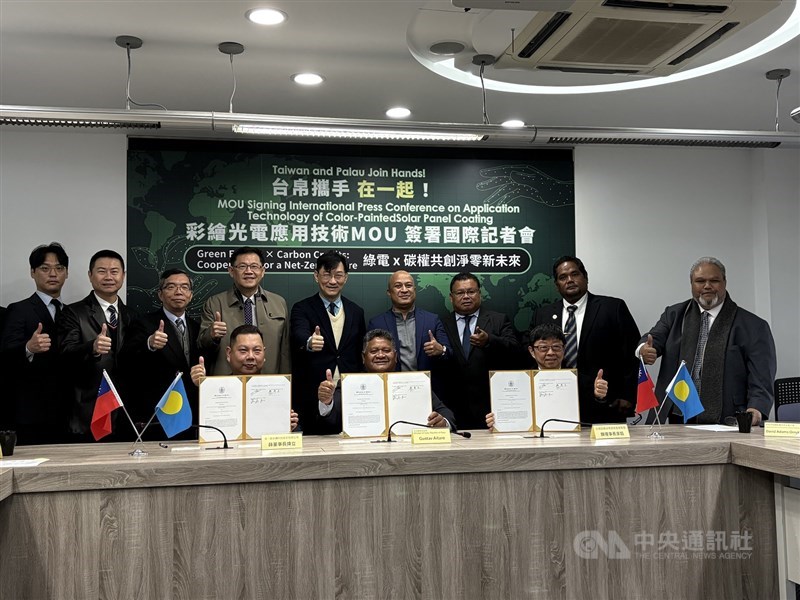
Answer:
(729, 351)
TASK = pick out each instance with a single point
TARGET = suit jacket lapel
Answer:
(324, 321)
(588, 318)
(96, 316)
(41, 312)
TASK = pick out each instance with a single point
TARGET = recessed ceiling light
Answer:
(513, 123)
(266, 16)
(398, 112)
(307, 78)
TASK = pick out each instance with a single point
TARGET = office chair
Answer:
(787, 399)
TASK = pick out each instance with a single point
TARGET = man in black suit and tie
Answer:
(35, 402)
(90, 335)
(326, 332)
(158, 346)
(600, 334)
(482, 340)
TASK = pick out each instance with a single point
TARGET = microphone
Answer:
(465, 434)
(581, 423)
(222, 433)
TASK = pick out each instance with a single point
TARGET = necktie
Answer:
(697, 366)
(571, 333)
(182, 328)
(332, 309)
(248, 312)
(56, 305)
(465, 345)
(112, 316)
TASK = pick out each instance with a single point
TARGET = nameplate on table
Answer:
(440, 435)
(614, 431)
(781, 429)
(281, 441)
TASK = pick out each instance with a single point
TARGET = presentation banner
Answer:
(503, 215)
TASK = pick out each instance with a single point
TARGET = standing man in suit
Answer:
(246, 303)
(34, 404)
(600, 334)
(326, 331)
(729, 351)
(90, 335)
(483, 340)
(158, 346)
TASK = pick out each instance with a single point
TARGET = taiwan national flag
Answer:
(107, 402)
(173, 410)
(645, 393)
(683, 393)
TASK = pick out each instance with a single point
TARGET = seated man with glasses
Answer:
(159, 345)
(246, 303)
(326, 333)
(546, 346)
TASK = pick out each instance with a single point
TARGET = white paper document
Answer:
(555, 396)
(363, 405)
(511, 400)
(268, 404)
(408, 396)
(221, 406)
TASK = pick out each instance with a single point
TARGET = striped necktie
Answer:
(571, 333)
(697, 365)
(112, 316)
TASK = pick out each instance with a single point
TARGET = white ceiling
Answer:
(62, 53)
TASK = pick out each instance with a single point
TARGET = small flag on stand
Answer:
(107, 402)
(645, 392)
(173, 410)
(683, 393)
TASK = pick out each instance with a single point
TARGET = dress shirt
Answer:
(580, 312)
(104, 305)
(712, 316)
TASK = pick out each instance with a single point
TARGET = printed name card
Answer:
(611, 431)
(772, 429)
(440, 435)
(282, 441)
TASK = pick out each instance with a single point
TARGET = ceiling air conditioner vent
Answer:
(648, 38)
(577, 141)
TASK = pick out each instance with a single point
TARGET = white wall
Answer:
(642, 216)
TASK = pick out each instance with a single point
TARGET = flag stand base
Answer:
(137, 453)
(656, 436)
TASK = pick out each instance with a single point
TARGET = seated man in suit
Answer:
(158, 346)
(728, 350)
(546, 346)
(326, 332)
(483, 340)
(245, 356)
(36, 403)
(380, 356)
(90, 335)
(421, 341)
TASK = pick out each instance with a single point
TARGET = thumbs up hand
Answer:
(432, 347)
(600, 386)
(480, 338)
(316, 342)
(648, 352)
(326, 388)
(102, 343)
(39, 342)
(159, 339)
(218, 328)
(198, 372)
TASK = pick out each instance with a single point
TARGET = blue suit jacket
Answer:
(425, 321)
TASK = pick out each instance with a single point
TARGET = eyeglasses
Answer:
(327, 276)
(547, 348)
(171, 287)
(462, 293)
(46, 269)
(254, 268)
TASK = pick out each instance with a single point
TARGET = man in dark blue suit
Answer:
(326, 332)
(35, 405)
(732, 362)
(601, 335)
(157, 347)
(422, 343)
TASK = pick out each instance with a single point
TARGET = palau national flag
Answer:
(173, 410)
(683, 393)
(645, 393)
(107, 402)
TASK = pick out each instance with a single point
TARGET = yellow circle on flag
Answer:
(681, 391)
(173, 404)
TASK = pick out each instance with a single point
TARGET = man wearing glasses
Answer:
(246, 303)
(35, 406)
(326, 331)
(483, 340)
(161, 344)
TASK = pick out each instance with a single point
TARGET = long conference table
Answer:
(496, 516)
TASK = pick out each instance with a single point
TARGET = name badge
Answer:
(614, 431)
(281, 441)
(440, 435)
(772, 429)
